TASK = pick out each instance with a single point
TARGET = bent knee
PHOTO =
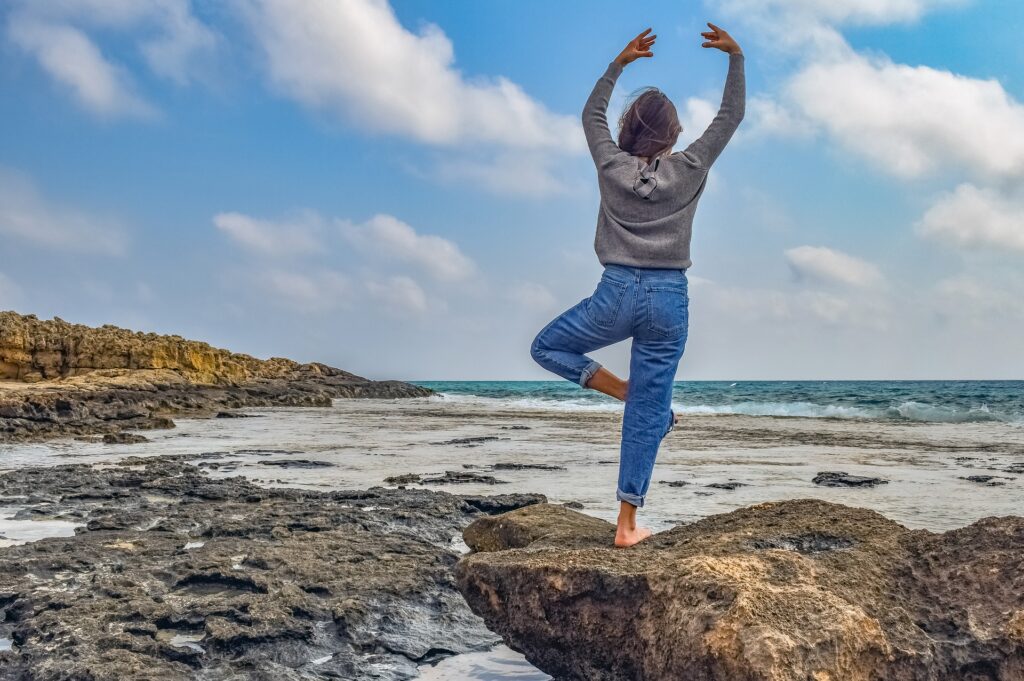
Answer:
(537, 351)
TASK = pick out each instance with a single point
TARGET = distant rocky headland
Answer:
(62, 379)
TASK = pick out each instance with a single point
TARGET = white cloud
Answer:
(698, 115)
(876, 12)
(271, 238)
(912, 120)
(73, 60)
(355, 59)
(56, 33)
(27, 216)
(515, 173)
(830, 266)
(973, 217)
(400, 294)
(532, 296)
(387, 237)
(314, 291)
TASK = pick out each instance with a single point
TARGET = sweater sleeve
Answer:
(708, 147)
(595, 120)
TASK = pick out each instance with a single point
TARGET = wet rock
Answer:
(840, 479)
(731, 485)
(235, 415)
(673, 483)
(461, 478)
(574, 505)
(123, 438)
(405, 479)
(468, 441)
(502, 503)
(515, 427)
(296, 463)
(527, 466)
(787, 591)
(988, 480)
(178, 576)
(76, 380)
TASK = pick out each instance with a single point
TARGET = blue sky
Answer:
(401, 189)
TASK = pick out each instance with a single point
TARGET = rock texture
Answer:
(790, 591)
(177, 576)
(60, 379)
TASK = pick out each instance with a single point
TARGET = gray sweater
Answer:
(646, 214)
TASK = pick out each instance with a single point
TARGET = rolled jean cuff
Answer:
(637, 501)
(588, 373)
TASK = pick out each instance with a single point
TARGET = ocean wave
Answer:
(910, 411)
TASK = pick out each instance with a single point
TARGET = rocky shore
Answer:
(174, 575)
(800, 590)
(61, 379)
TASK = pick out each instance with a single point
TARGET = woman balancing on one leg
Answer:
(648, 199)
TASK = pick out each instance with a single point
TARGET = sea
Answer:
(899, 401)
(946, 453)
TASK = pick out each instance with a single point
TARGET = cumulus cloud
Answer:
(386, 237)
(271, 238)
(910, 120)
(74, 61)
(57, 34)
(355, 59)
(26, 215)
(973, 217)
(830, 266)
(401, 295)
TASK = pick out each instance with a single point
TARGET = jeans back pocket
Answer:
(603, 306)
(668, 309)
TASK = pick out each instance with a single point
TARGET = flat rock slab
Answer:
(798, 590)
(178, 576)
(840, 479)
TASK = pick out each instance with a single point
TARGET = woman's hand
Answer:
(639, 46)
(721, 40)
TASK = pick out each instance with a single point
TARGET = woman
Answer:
(648, 199)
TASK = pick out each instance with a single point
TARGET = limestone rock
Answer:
(791, 591)
(59, 379)
(176, 576)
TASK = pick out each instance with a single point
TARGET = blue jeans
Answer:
(651, 307)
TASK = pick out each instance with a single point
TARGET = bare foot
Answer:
(625, 537)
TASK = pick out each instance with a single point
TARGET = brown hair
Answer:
(650, 125)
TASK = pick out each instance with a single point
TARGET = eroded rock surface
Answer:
(174, 575)
(59, 379)
(791, 591)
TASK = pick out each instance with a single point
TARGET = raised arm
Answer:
(595, 111)
(709, 146)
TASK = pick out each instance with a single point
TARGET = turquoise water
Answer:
(909, 401)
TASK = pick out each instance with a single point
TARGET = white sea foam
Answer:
(906, 411)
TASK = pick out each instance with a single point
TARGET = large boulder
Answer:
(796, 590)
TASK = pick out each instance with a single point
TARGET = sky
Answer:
(402, 188)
